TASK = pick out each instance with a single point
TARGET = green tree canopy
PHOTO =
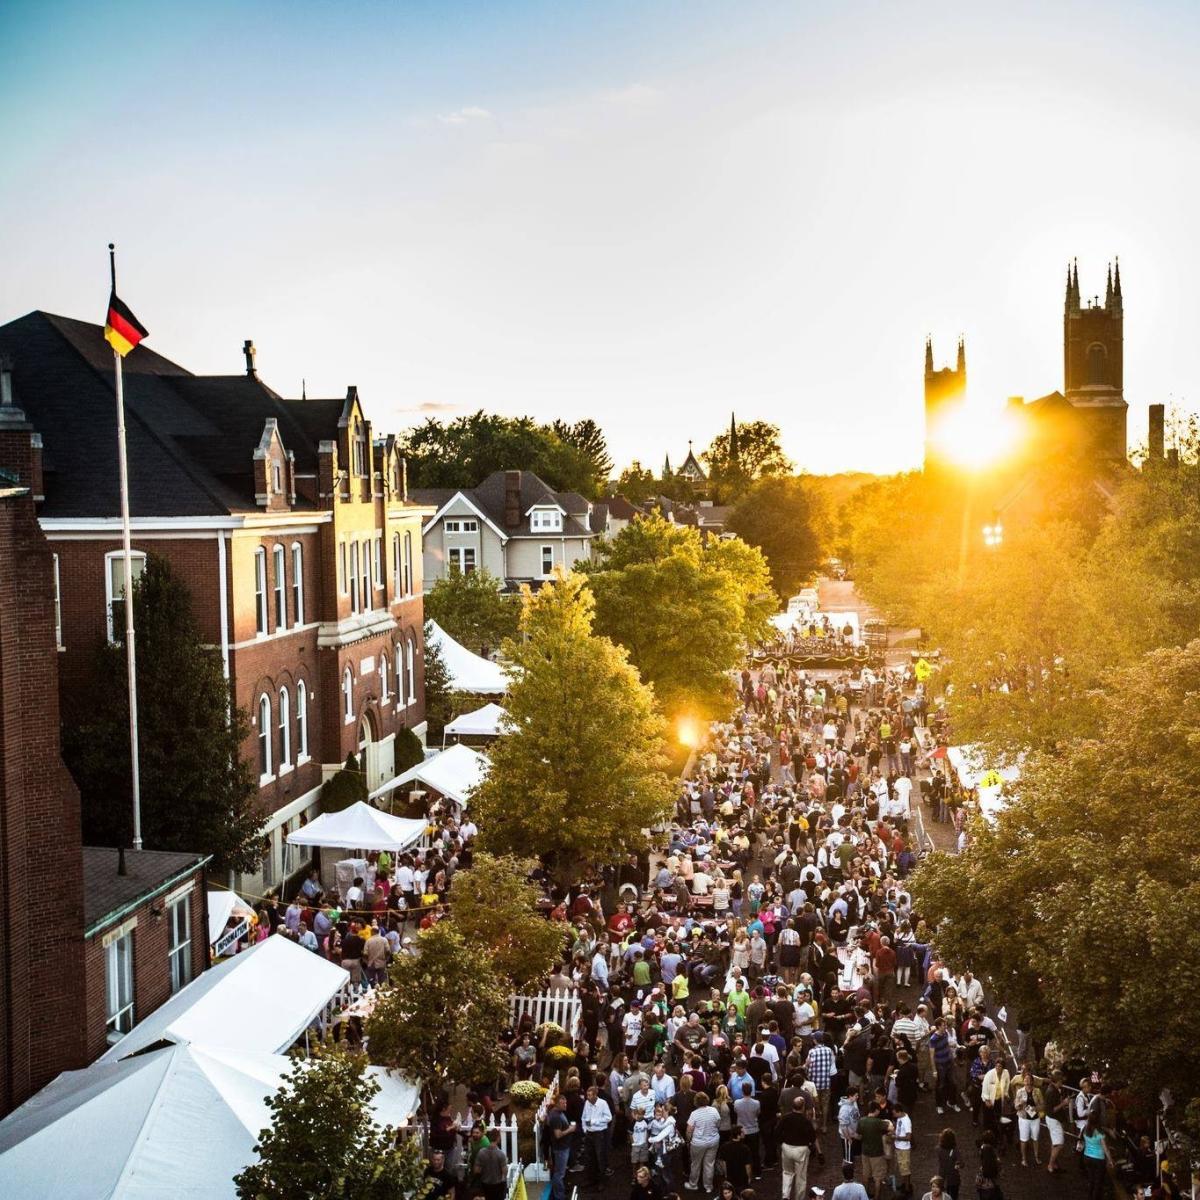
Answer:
(735, 462)
(1081, 904)
(582, 776)
(463, 452)
(780, 516)
(197, 792)
(471, 608)
(588, 438)
(323, 1142)
(637, 484)
(683, 608)
(440, 1019)
(494, 907)
(438, 697)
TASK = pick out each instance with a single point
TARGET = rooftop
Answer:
(108, 896)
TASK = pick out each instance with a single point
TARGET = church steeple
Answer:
(961, 365)
(928, 356)
(733, 441)
(666, 466)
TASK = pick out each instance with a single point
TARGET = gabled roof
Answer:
(108, 895)
(622, 509)
(190, 439)
(488, 499)
(467, 499)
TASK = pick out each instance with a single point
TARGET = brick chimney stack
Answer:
(1157, 426)
(249, 351)
(512, 499)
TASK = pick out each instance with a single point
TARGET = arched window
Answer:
(280, 587)
(285, 729)
(348, 695)
(301, 721)
(384, 694)
(410, 664)
(297, 583)
(264, 735)
(1097, 364)
(260, 589)
(397, 582)
(354, 577)
(409, 582)
(399, 660)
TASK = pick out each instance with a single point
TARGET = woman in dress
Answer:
(789, 952)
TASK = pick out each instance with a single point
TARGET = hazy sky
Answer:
(648, 213)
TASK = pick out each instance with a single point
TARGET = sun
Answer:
(975, 437)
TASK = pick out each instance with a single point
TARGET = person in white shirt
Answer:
(661, 1084)
(902, 1143)
(597, 1117)
(971, 990)
(600, 969)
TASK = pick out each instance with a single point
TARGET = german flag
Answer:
(122, 330)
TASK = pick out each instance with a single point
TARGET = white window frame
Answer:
(461, 525)
(58, 642)
(301, 722)
(266, 749)
(398, 660)
(385, 697)
(365, 575)
(179, 951)
(285, 731)
(547, 550)
(354, 577)
(260, 591)
(397, 580)
(110, 598)
(545, 520)
(379, 562)
(279, 565)
(297, 583)
(268, 861)
(342, 566)
(456, 556)
(348, 696)
(410, 655)
(276, 479)
(118, 985)
(410, 584)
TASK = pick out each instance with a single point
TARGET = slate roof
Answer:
(489, 497)
(106, 894)
(621, 509)
(190, 439)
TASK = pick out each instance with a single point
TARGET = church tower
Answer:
(945, 391)
(1093, 363)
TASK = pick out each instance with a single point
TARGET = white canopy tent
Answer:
(360, 827)
(468, 672)
(221, 906)
(488, 721)
(176, 1121)
(785, 622)
(260, 1001)
(454, 773)
(987, 782)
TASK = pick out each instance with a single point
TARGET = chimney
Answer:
(1173, 457)
(249, 351)
(1157, 425)
(512, 499)
(6, 392)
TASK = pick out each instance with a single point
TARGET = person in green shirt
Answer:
(641, 970)
(873, 1128)
(740, 998)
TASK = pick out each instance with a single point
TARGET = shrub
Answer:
(527, 1093)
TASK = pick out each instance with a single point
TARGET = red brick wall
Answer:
(151, 968)
(41, 946)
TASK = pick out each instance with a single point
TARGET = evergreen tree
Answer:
(345, 787)
(323, 1143)
(778, 516)
(472, 609)
(197, 792)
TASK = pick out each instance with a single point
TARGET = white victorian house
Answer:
(512, 524)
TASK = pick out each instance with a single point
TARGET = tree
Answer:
(438, 698)
(637, 484)
(681, 608)
(442, 1015)
(778, 515)
(742, 454)
(471, 608)
(581, 777)
(344, 787)
(1081, 904)
(197, 792)
(324, 1143)
(495, 910)
(588, 438)
(465, 451)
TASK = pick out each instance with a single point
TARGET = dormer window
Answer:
(546, 520)
(276, 478)
(359, 450)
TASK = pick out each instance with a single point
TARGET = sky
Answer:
(652, 214)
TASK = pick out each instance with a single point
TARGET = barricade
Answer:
(562, 1008)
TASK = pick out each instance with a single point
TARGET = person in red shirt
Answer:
(884, 961)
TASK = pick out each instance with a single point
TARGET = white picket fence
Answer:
(563, 1008)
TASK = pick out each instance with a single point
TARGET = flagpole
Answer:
(130, 651)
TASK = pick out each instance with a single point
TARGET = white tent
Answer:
(359, 827)
(488, 721)
(221, 906)
(468, 672)
(260, 1001)
(176, 1121)
(988, 783)
(455, 773)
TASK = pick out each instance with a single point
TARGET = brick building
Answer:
(289, 521)
(85, 951)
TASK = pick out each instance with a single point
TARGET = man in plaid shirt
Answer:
(820, 1065)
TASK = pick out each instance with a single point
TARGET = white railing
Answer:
(562, 1008)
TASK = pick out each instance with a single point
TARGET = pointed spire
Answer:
(928, 355)
(961, 365)
(1108, 288)
(1068, 282)
(1117, 282)
(733, 440)
(303, 389)
(666, 466)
